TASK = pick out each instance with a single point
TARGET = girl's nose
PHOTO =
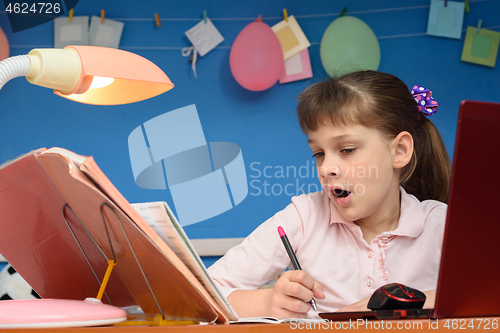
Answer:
(328, 169)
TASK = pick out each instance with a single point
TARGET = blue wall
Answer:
(263, 124)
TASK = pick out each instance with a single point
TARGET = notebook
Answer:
(469, 273)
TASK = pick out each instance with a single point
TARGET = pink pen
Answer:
(293, 259)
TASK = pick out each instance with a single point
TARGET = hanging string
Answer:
(195, 19)
(296, 16)
(191, 51)
(222, 47)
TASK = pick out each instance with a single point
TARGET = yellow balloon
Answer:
(349, 45)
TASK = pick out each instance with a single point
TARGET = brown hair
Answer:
(382, 101)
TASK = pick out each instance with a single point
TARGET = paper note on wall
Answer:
(204, 36)
(291, 37)
(481, 47)
(107, 34)
(297, 67)
(446, 21)
(71, 33)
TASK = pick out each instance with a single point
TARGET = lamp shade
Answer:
(74, 70)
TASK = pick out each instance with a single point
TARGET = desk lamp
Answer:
(89, 74)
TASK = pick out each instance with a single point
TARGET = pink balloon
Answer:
(4, 46)
(256, 57)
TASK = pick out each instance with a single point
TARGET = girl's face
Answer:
(355, 169)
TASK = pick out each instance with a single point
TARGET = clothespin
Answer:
(343, 11)
(205, 16)
(479, 25)
(157, 19)
(102, 15)
(285, 14)
(259, 19)
(71, 12)
(467, 6)
(446, 3)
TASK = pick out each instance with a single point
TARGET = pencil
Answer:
(293, 259)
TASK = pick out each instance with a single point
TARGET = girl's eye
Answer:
(318, 155)
(348, 150)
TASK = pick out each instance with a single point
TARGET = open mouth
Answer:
(341, 193)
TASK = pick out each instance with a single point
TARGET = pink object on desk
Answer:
(40, 313)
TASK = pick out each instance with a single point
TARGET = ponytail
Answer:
(427, 176)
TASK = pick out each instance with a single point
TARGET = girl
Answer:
(380, 219)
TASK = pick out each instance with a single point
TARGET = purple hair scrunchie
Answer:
(427, 106)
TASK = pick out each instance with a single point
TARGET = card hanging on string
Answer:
(446, 19)
(105, 32)
(291, 37)
(297, 67)
(481, 46)
(204, 36)
(74, 32)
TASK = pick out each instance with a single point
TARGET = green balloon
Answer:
(349, 45)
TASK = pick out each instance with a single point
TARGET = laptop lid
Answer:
(469, 274)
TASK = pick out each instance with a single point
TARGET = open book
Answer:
(62, 219)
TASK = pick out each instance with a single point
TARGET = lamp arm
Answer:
(13, 67)
(58, 69)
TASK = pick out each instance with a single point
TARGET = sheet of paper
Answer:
(294, 65)
(71, 33)
(103, 35)
(297, 67)
(481, 48)
(204, 36)
(161, 219)
(291, 37)
(107, 34)
(446, 21)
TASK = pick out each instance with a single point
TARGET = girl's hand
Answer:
(430, 299)
(292, 294)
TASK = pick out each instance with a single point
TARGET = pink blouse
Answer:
(333, 252)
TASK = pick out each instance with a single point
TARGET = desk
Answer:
(489, 324)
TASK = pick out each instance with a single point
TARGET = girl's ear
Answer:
(402, 146)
